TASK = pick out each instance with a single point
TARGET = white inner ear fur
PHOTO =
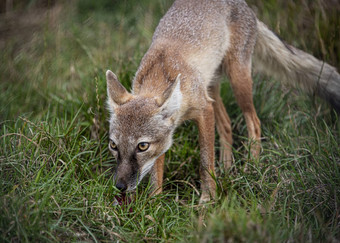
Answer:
(110, 104)
(174, 102)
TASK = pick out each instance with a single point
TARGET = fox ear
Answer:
(117, 94)
(171, 100)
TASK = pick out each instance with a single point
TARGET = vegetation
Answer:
(55, 168)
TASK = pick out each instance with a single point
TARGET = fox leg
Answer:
(241, 82)
(206, 127)
(223, 126)
(157, 175)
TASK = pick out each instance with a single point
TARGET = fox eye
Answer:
(143, 146)
(112, 145)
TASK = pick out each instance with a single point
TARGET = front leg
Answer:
(157, 175)
(206, 127)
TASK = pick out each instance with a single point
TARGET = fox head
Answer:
(141, 129)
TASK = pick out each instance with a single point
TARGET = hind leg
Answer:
(237, 63)
(223, 126)
(241, 82)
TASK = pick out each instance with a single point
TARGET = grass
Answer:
(56, 171)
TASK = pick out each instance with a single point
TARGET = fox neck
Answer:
(159, 68)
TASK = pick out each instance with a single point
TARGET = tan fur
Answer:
(223, 125)
(157, 175)
(206, 127)
(177, 80)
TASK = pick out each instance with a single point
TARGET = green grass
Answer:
(56, 171)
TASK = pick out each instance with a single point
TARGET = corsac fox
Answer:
(178, 79)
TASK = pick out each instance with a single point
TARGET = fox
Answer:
(194, 44)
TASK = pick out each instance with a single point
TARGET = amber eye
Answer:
(113, 146)
(143, 146)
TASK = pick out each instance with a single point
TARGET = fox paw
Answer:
(205, 198)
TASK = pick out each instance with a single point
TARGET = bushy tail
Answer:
(291, 65)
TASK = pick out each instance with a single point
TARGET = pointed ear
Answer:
(117, 94)
(171, 100)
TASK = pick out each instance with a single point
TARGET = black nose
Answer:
(121, 186)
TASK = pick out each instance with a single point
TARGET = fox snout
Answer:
(125, 184)
(121, 186)
(126, 176)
